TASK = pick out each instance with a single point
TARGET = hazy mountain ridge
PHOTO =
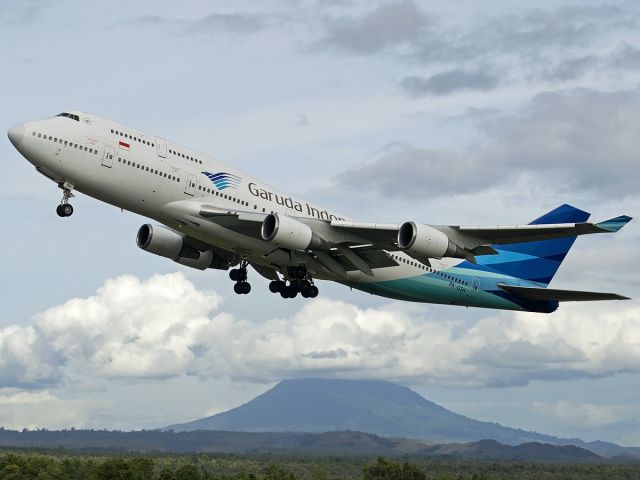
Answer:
(377, 407)
(346, 443)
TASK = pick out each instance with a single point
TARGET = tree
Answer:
(142, 468)
(188, 472)
(388, 470)
(167, 474)
(115, 469)
(276, 472)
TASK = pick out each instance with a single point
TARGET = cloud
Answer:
(588, 414)
(560, 44)
(580, 139)
(20, 409)
(389, 26)
(164, 327)
(534, 34)
(213, 23)
(21, 13)
(450, 81)
(229, 22)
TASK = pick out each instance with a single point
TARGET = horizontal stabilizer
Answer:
(535, 294)
(614, 224)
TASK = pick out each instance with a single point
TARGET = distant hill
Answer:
(378, 407)
(289, 443)
(383, 408)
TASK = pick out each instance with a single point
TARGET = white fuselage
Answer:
(162, 180)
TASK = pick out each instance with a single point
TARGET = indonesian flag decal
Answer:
(124, 145)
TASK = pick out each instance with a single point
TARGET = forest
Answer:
(19, 464)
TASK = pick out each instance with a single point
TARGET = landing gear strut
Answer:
(301, 282)
(239, 275)
(65, 209)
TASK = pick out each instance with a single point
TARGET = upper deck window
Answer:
(69, 115)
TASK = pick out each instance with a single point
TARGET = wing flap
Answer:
(536, 294)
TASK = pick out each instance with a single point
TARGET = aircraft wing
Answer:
(363, 246)
(549, 294)
(478, 238)
(472, 236)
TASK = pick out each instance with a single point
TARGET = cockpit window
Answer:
(69, 115)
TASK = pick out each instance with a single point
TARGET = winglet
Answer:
(614, 224)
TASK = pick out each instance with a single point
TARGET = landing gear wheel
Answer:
(291, 292)
(297, 285)
(242, 288)
(276, 286)
(238, 274)
(313, 291)
(65, 209)
(306, 290)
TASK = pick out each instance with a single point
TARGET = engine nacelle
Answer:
(426, 241)
(164, 242)
(286, 232)
(204, 261)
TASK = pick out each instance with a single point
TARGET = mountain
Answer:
(382, 408)
(290, 443)
(526, 452)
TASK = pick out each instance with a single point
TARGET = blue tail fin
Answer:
(536, 261)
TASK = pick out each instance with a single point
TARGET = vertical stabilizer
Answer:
(536, 261)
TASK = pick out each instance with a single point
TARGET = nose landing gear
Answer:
(239, 275)
(65, 209)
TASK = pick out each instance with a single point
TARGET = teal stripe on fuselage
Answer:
(432, 288)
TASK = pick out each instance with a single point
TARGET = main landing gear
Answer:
(301, 282)
(239, 275)
(65, 209)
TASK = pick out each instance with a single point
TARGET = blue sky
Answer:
(385, 111)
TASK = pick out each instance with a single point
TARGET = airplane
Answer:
(210, 215)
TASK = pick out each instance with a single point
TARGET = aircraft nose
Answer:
(16, 134)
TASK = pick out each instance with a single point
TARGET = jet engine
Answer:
(426, 241)
(165, 242)
(286, 232)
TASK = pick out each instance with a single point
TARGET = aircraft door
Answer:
(161, 148)
(472, 290)
(190, 185)
(107, 159)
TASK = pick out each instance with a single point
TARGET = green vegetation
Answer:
(22, 464)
